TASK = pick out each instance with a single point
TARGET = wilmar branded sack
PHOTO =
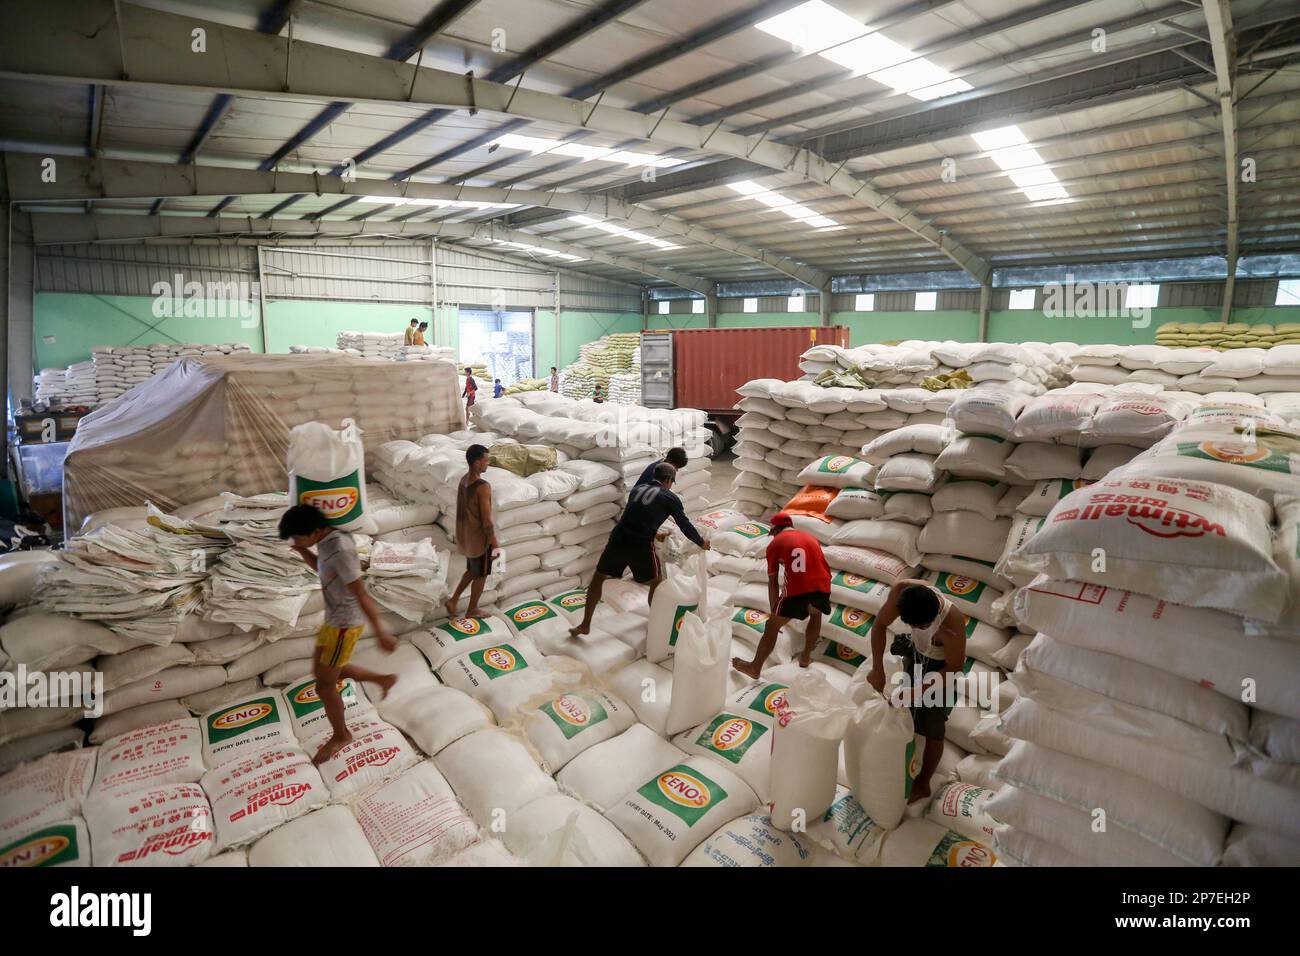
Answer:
(327, 469)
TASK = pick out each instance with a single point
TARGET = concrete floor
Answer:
(722, 472)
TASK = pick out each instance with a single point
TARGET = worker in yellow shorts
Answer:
(347, 607)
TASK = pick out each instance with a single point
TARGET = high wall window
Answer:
(927, 301)
(750, 305)
(1288, 292)
(697, 306)
(1144, 296)
(794, 303)
(1021, 299)
(663, 306)
(865, 303)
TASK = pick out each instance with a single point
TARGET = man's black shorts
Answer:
(481, 566)
(927, 721)
(795, 606)
(622, 552)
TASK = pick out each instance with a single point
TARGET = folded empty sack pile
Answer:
(1126, 552)
(212, 425)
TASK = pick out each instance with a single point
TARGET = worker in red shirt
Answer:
(807, 593)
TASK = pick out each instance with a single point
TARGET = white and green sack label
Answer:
(751, 529)
(49, 846)
(958, 850)
(681, 612)
(461, 628)
(244, 717)
(836, 651)
(683, 792)
(525, 616)
(574, 713)
(498, 661)
(729, 736)
(756, 621)
(339, 500)
(304, 700)
(769, 700)
(836, 464)
(1255, 454)
(854, 582)
(852, 619)
(960, 586)
(571, 600)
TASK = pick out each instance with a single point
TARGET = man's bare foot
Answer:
(580, 630)
(451, 609)
(919, 794)
(805, 658)
(387, 682)
(330, 748)
(748, 668)
(474, 612)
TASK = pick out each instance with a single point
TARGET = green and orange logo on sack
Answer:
(572, 600)
(769, 700)
(573, 713)
(462, 627)
(526, 615)
(305, 700)
(957, 850)
(836, 464)
(242, 718)
(48, 847)
(678, 615)
(1071, 484)
(843, 654)
(751, 529)
(853, 619)
(498, 661)
(961, 586)
(747, 616)
(684, 792)
(730, 736)
(1255, 454)
(339, 500)
(854, 582)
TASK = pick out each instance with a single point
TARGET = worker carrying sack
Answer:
(327, 469)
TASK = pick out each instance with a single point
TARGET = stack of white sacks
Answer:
(425, 353)
(625, 387)
(51, 385)
(372, 345)
(188, 612)
(112, 371)
(1201, 370)
(959, 498)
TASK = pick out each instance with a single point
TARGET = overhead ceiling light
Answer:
(1008, 147)
(383, 200)
(817, 27)
(746, 188)
(774, 200)
(621, 231)
(538, 145)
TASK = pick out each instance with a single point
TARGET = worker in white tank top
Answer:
(936, 646)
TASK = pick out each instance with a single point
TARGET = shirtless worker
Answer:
(937, 645)
(347, 607)
(807, 594)
(632, 542)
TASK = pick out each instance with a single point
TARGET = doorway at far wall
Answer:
(503, 341)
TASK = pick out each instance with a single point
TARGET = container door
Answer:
(657, 369)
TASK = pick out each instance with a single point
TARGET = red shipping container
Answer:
(710, 364)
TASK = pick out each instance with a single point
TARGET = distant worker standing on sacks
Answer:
(347, 607)
(936, 646)
(632, 542)
(475, 533)
(807, 592)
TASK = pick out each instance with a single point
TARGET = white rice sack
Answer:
(868, 562)
(47, 791)
(893, 537)
(260, 791)
(858, 591)
(245, 727)
(415, 819)
(963, 808)
(376, 752)
(307, 711)
(1139, 420)
(805, 750)
(57, 843)
(1193, 543)
(327, 838)
(987, 411)
(669, 815)
(436, 717)
(127, 720)
(1055, 416)
(854, 503)
(907, 472)
(157, 825)
(838, 471)
(753, 841)
(493, 775)
(743, 540)
(1045, 495)
(975, 456)
(1105, 459)
(966, 534)
(565, 726)
(152, 756)
(1034, 461)
(923, 439)
(979, 496)
(925, 843)
(535, 619)
(675, 597)
(700, 667)
(19, 573)
(879, 754)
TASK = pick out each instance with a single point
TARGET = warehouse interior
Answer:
(914, 283)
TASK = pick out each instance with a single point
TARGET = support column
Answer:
(557, 322)
(19, 357)
(711, 307)
(4, 296)
(1229, 288)
(824, 304)
(986, 295)
(435, 320)
(645, 309)
(261, 299)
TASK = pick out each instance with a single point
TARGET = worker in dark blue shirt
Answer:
(632, 542)
(497, 388)
(675, 457)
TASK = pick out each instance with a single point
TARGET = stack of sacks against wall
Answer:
(1203, 371)
(1178, 641)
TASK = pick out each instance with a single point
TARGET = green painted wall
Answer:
(295, 322)
(576, 328)
(754, 320)
(68, 324)
(869, 327)
(660, 323)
